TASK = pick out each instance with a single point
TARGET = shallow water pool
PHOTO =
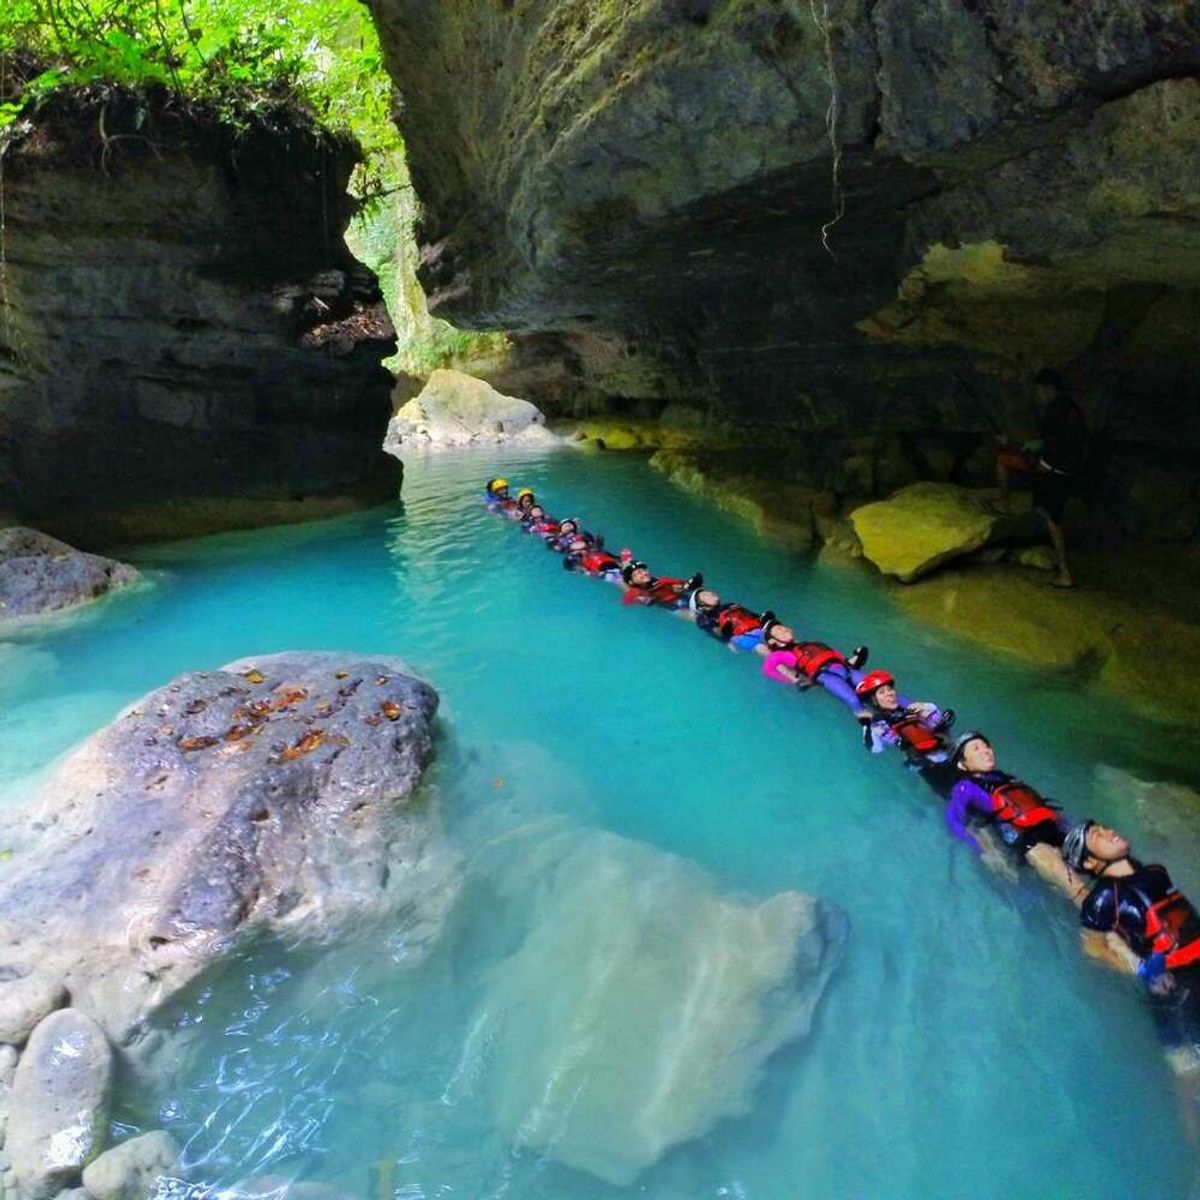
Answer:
(962, 1049)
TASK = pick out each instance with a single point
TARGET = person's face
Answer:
(537, 511)
(886, 697)
(526, 502)
(1106, 844)
(781, 634)
(978, 755)
(578, 545)
(568, 527)
(639, 575)
(707, 599)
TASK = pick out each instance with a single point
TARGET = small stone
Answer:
(128, 1171)
(26, 1000)
(59, 1103)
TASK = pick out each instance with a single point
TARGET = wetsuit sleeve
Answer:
(958, 812)
(775, 660)
(1099, 911)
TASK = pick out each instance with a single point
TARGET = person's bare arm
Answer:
(1111, 950)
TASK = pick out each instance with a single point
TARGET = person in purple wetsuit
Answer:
(987, 806)
(914, 726)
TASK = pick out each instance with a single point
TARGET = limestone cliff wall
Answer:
(1018, 187)
(185, 342)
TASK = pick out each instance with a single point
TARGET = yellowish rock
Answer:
(1151, 659)
(920, 527)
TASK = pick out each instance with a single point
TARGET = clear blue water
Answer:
(963, 1048)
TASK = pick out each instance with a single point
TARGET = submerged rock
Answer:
(59, 1103)
(642, 1004)
(459, 410)
(271, 794)
(921, 527)
(39, 574)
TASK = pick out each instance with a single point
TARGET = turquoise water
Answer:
(963, 1048)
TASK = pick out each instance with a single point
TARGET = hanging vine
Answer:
(832, 114)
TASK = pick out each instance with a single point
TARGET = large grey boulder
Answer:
(643, 1003)
(129, 1170)
(271, 794)
(459, 410)
(59, 1103)
(39, 574)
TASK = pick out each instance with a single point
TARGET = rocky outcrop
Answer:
(130, 1170)
(269, 795)
(40, 574)
(454, 409)
(642, 1004)
(60, 1099)
(922, 526)
(185, 342)
(654, 185)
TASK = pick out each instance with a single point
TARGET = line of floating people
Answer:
(1133, 918)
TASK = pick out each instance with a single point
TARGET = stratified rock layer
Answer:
(270, 795)
(40, 574)
(185, 343)
(653, 184)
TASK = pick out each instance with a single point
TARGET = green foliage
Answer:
(240, 56)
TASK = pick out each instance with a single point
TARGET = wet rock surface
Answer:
(27, 995)
(59, 1103)
(273, 794)
(129, 1171)
(455, 409)
(39, 574)
(187, 344)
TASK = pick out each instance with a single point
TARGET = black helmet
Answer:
(960, 744)
(628, 569)
(1074, 848)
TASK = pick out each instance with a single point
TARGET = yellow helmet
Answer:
(494, 485)
(525, 492)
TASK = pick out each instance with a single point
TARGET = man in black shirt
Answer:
(1159, 940)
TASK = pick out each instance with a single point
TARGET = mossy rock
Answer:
(920, 527)
(650, 434)
(1112, 639)
(777, 509)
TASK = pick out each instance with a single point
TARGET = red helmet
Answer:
(872, 681)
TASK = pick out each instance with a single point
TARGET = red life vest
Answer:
(913, 733)
(736, 620)
(596, 562)
(1017, 804)
(813, 657)
(1165, 921)
(664, 591)
(545, 527)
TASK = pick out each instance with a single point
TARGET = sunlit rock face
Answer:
(642, 1004)
(1018, 187)
(185, 342)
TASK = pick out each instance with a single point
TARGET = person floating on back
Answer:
(1029, 827)
(496, 495)
(804, 664)
(641, 587)
(914, 726)
(1158, 932)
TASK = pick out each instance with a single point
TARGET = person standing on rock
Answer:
(1052, 464)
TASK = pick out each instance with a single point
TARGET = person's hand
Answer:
(998, 862)
(1152, 969)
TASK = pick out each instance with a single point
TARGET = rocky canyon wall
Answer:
(186, 344)
(648, 190)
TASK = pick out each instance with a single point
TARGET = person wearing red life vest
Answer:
(1136, 921)
(641, 587)
(803, 664)
(985, 802)
(914, 726)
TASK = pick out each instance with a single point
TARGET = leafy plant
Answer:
(239, 56)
